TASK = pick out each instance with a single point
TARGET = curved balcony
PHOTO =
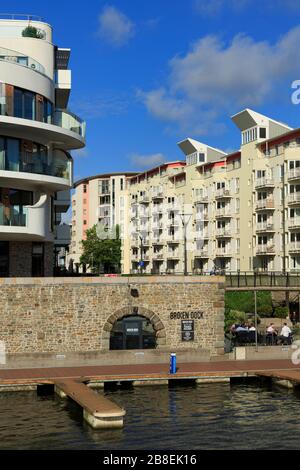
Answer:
(8, 55)
(53, 171)
(31, 224)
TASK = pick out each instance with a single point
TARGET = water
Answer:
(212, 416)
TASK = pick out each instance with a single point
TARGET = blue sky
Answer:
(148, 74)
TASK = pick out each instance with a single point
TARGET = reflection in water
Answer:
(208, 416)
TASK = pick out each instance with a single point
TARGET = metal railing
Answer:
(20, 16)
(262, 279)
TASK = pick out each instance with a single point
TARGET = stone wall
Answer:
(60, 315)
(20, 259)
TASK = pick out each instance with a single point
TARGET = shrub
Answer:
(32, 32)
(265, 310)
(233, 316)
(281, 312)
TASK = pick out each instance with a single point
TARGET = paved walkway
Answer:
(127, 372)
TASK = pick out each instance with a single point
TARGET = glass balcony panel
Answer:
(69, 121)
(9, 55)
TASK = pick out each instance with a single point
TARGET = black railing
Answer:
(241, 279)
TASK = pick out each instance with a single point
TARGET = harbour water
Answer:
(212, 416)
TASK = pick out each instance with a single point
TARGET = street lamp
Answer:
(184, 225)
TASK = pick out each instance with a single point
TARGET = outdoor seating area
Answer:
(241, 338)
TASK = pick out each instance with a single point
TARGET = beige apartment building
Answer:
(96, 200)
(238, 211)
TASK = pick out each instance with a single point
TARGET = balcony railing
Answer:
(265, 204)
(201, 215)
(264, 183)
(201, 199)
(201, 234)
(265, 249)
(294, 247)
(157, 225)
(157, 241)
(223, 232)
(222, 192)
(12, 216)
(265, 227)
(223, 213)
(294, 198)
(158, 194)
(172, 239)
(57, 165)
(144, 199)
(294, 222)
(15, 57)
(157, 209)
(226, 252)
(204, 253)
(69, 121)
(294, 173)
(173, 255)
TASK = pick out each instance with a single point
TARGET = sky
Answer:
(148, 74)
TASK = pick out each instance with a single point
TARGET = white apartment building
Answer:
(234, 212)
(37, 133)
(97, 200)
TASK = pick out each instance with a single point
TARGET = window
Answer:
(121, 184)
(84, 188)
(262, 132)
(84, 222)
(37, 259)
(4, 259)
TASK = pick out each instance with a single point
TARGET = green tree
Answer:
(102, 254)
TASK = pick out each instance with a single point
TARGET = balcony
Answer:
(201, 199)
(172, 223)
(261, 183)
(69, 121)
(157, 241)
(144, 199)
(201, 253)
(293, 223)
(222, 193)
(223, 252)
(8, 55)
(157, 225)
(172, 239)
(53, 170)
(223, 233)
(158, 195)
(62, 201)
(202, 216)
(265, 249)
(158, 256)
(223, 213)
(265, 204)
(173, 255)
(293, 199)
(202, 234)
(156, 210)
(294, 174)
(294, 247)
(26, 222)
(265, 227)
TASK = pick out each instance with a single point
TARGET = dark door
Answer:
(132, 336)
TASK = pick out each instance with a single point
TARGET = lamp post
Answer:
(255, 319)
(141, 253)
(184, 225)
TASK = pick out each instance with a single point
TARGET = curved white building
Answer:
(37, 133)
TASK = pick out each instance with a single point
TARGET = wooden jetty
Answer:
(98, 411)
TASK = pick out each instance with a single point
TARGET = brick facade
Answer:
(20, 259)
(76, 314)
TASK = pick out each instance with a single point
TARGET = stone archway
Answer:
(157, 324)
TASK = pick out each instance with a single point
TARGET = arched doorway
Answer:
(132, 332)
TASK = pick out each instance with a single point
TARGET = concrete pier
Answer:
(98, 411)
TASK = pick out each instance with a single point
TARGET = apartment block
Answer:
(97, 200)
(37, 134)
(230, 212)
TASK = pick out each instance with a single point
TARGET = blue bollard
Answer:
(173, 363)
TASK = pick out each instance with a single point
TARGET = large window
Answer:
(4, 259)
(25, 104)
(13, 204)
(133, 332)
(30, 157)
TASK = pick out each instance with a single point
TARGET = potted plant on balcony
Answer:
(32, 32)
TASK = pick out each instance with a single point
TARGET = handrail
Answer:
(12, 57)
(21, 16)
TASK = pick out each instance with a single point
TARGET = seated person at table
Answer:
(252, 327)
(242, 327)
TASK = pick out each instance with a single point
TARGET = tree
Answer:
(102, 254)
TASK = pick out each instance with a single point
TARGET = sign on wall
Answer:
(187, 330)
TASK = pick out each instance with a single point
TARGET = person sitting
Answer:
(252, 327)
(285, 334)
(241, 327)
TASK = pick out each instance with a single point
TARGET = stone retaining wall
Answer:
(61, 315)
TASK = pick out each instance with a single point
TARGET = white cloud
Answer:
(115, 27)
(147, 161)
(214, 7)
(215, 77)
